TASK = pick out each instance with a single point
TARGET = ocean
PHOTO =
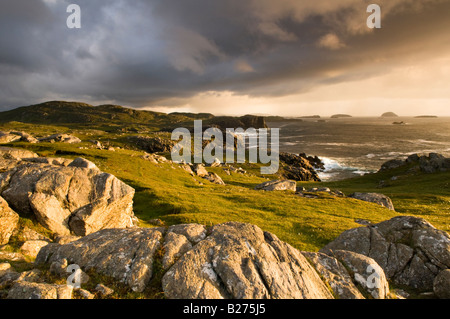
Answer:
(351, 147)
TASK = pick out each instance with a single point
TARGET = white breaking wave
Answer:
(334, 167)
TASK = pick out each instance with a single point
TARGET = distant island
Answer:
(338, 116)
(426, 117)
(282, 119)
(310, 117)
(389, 114)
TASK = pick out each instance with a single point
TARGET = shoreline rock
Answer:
(433, 163)
(410, 250)
(299, 167)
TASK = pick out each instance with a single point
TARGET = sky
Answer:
(229, 57)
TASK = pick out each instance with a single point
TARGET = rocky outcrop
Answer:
(345, 271)
(409, 249)
(61, 138)
(232, 260)
(11, 256)
(433, 163)
(28, 290)
(236, 260)
(67, 198)
(441, 284)
(241, 261)
(126, 255)
(365, 272)
(152, 144)
(154, 158)
(32, 247)
(277, 185)
(9, 220)
(392, 164)
(245, 122)
(25, 137)
(335, 275)
(376, 198)
(314, 192)
(6, 137)
(299, 167)
(214, 178)
(15, 136)
(200, 170)
(7, 153)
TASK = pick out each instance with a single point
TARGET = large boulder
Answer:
(15, 153)
(376, 198)
(365, 272)
(409, 249)
(9, 220)
(31, 248)
(434, 163)
(68, 198)
(152, 144)
(200, 170)
(335, 274)
(392, 164)
(232, 260)
(10, 158)
(6, 137)
(278, 185)
(29, 290)
(25, 137)
(15, 136)
(347, 272)
(441, 285)
(214, 178)
(241, 261)
(126, 255)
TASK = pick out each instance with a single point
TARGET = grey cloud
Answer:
(142, 52)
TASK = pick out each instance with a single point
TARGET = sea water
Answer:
(352, 147)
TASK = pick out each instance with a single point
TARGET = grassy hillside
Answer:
(168, 192)
(116, 118)
(106, 117)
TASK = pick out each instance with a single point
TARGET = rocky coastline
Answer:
(89, 216)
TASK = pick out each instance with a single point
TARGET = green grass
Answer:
(167, 192)
(413, 193)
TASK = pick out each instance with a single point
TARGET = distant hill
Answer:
(338, 116)
(116, 117)
(389, 114)
(282, 119)
(310, 117)
(426, 117)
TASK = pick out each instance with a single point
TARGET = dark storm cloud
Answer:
(142, 52)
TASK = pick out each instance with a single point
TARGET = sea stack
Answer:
(389, 114)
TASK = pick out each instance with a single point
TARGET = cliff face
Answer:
(254, 121)
(245, 122)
